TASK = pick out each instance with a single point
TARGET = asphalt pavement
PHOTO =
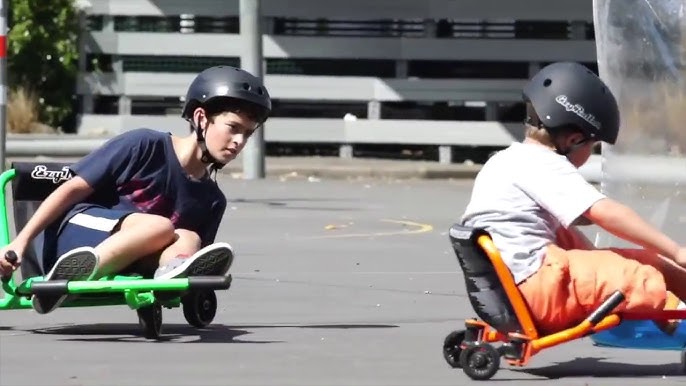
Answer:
(337, 281)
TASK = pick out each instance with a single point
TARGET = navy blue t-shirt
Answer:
(138, 171)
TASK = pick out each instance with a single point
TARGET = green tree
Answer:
(42, 51)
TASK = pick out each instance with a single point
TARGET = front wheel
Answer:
(199, 308)
(480, 362)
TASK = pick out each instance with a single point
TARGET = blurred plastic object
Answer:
(640, 47)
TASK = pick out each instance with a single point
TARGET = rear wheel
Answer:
(452, 349)
(150, 320)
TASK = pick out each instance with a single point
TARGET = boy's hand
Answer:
(7, 267)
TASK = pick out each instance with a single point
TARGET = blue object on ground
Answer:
(641, 334)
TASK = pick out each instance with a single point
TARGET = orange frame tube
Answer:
(520, 308)
(536, 343)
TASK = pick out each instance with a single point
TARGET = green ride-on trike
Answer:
(31, 183)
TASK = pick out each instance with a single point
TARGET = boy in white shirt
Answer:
(531, 196)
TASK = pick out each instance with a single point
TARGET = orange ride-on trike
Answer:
(503, 316)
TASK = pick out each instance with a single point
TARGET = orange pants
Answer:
(573, 281)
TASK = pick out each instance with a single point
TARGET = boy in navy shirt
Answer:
(146, 198)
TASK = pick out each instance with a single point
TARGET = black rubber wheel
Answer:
(480, 362)
(199, 308)
(452, 349)
(150, 320)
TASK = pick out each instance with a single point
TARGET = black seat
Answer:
(33, 182)
(484, 288)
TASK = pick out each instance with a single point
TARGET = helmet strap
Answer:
(572, 148)
(206, 156)
(535, 121)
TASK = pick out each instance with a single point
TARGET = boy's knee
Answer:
(156, 226)
(654, 288)
(189, 237)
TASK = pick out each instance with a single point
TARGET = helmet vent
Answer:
(259, 91)
(246, 86)
(547, 82)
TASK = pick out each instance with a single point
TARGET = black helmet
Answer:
(568, 94)
(226, 81)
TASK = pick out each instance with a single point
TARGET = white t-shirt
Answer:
(521, 196)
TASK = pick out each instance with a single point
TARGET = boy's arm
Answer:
(98, 170)
(64, 197)
(103, 168)
(625, 223)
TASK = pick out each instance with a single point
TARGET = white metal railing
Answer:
(308, 130)
(299, 87)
